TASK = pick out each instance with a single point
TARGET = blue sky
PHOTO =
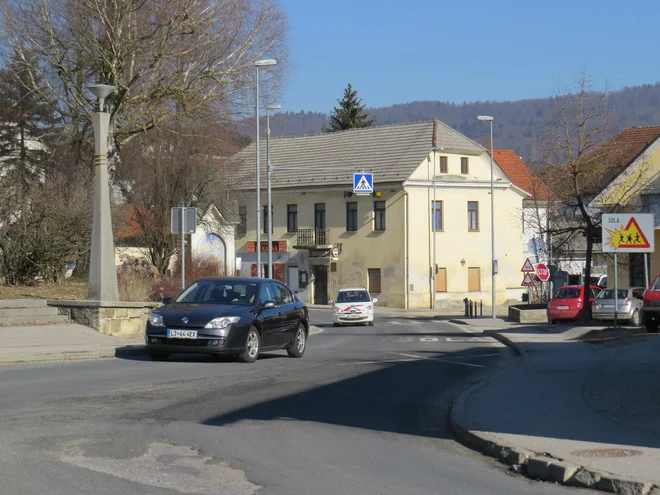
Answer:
(397, 51)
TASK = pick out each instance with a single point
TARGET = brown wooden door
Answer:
(320, 285)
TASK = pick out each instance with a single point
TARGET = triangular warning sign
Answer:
(528, 280)
(631, 236)
(527, 267)
(363, 185)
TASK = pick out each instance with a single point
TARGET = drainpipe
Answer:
(406, 250)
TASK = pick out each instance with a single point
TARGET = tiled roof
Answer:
(391, 152)
(521, 175)
(613, 157)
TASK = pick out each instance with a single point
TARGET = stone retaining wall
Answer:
(118, 318)
(528, 313)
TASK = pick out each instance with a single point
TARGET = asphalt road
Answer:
(364, 412)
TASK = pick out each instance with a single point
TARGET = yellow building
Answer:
(431, 201)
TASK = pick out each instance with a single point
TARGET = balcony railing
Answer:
(312, 238)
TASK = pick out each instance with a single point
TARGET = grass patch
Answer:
(73, 288)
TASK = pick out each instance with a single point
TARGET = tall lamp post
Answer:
(270, 197)
(102, 270)
(257, 64)
(492, 213)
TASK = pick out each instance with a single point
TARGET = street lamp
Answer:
(270, 198)
(257, 64)
(102, 271)
(492, 212)
(434, 275)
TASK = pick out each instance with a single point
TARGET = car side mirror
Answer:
(375, 301)
(168, 300)
(268, 305)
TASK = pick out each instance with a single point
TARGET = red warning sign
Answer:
(528, 280)
(527, 267)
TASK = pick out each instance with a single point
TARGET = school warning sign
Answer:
(628, 233)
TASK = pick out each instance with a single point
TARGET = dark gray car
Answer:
(630, 301)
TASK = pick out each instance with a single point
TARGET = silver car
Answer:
(630, 305)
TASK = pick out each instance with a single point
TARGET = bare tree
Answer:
(181, 166)
(170, 59)
(580, 162)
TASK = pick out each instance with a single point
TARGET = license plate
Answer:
(562, 308)
(608, 305)
(182, 334)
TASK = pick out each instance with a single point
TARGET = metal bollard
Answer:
(481, 308)
(465, 302)
(475, 309)
(470, 304)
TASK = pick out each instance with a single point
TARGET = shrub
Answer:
(135, 279)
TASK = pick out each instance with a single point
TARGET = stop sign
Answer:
(542, 272)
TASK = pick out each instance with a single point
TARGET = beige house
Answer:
(431, 201)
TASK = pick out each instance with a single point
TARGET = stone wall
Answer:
(120, 319)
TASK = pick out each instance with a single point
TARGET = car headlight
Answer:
(337, 309)
(222, 322)
(369, 308)
(156, 320)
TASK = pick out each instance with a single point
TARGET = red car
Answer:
(651, 307)
(568, 302)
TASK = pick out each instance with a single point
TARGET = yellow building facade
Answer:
(431, 203)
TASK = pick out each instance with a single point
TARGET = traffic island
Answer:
(118, 318)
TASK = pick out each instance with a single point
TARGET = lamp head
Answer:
(487, 118)
(273, 107)
(265, 62)
(101, 91)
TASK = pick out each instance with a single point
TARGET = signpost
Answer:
(528, 281)
(628, 233)
(183, 221)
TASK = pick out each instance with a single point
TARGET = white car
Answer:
(353, 305)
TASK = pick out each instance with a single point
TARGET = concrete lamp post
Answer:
(257, 64)
(270, 197)
(487, 118)
(102, 270)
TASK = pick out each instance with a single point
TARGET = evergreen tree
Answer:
(349, 114)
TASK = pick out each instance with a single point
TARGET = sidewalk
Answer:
(424, 313)
(570, 412)
(61, 342)
(67, 341)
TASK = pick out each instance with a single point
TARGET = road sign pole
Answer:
(616, 292)
(183, 249)
(646, 270)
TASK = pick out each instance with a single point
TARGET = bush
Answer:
(163, 287)
(135, 279)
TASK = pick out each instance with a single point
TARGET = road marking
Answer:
(386, 361)
(428, 339)
(440, 359)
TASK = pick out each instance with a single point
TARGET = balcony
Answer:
(313, 239)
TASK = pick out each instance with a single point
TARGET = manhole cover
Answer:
(607, 453)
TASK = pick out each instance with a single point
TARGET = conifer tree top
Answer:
(349, 114)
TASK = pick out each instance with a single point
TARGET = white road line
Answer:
(440, 359)
(386, 361)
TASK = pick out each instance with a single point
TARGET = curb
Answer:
(72, 355)
(313, 330)
(504, 340)
(539, 466)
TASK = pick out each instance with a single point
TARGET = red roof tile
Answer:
(610, 159)
(520, 174)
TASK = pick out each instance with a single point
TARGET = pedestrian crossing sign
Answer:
(363, 183)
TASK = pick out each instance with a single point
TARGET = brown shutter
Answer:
(441, 280)
(474, 279)
(374, 280)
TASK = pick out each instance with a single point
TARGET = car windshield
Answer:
(656, 285)
(351, 296)
(567, 293)
(595, 280)
(609, 294)
(219, 292)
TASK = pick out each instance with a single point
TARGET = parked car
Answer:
(651, 308)
(630, 302)
(229, 315)
(568, 303)
(353, 305)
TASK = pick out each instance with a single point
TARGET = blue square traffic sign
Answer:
(363, 183)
